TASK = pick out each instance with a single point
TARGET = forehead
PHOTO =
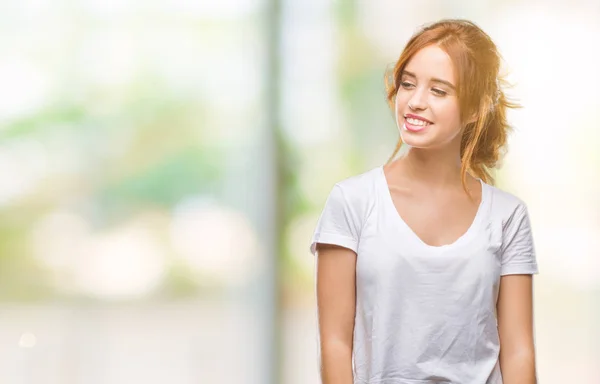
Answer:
(432, 62)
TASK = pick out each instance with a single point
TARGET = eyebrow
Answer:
(434, 79)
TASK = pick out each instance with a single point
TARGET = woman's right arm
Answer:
(336, 304)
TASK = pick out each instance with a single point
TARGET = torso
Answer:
(425, 307)
(425, 294)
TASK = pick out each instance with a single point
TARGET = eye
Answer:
(406, 84)
(439, 92)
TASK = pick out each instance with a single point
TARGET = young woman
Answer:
(424, 268)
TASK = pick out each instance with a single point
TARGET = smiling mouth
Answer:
(414, 125)
(417, 121)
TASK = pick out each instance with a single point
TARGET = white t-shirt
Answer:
(425, 314)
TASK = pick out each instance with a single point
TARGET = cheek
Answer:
(401, 104)
(449, 113)
(401, 100)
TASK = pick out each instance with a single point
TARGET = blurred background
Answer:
(163, 165)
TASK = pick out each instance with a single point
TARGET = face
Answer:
(427, 108)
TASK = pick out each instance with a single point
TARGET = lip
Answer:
(417, 117)
(415, 128)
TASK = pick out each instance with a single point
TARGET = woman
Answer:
(424, 269)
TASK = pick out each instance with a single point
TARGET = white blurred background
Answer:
(163, 165)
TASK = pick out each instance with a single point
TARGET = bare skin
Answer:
(438, 214)
(336, 298)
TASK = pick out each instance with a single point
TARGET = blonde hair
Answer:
(480, 91)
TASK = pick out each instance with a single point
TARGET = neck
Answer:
(436, 168)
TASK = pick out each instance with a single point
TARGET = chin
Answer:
(418, 144)
(418, 141)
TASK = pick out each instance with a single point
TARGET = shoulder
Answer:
(506, 205)
(359, 189)
(357, 194)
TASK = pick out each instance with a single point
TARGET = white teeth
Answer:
(416, 121)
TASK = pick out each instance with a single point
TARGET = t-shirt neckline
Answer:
(389, 202)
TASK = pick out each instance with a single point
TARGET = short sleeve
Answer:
(518, 250)
(339, 223)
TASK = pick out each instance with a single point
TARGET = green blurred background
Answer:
(163, 165)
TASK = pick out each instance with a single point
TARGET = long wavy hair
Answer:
(480, 90)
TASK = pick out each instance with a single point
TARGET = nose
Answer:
(418, 100)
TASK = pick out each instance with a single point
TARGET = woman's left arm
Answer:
(515, 327)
